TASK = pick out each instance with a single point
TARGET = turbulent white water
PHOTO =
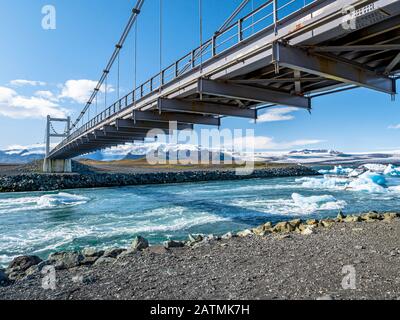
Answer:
(41, 223)
(41, 202)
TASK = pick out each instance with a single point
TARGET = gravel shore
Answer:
(271, 265)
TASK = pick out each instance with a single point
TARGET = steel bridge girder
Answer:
(335, 69)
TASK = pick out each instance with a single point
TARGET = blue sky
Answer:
(60, 66)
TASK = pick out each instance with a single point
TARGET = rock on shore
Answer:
(47, 182)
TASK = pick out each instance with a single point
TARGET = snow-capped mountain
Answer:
(317, 151)
(22, 154)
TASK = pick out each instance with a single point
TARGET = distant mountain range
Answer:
(317, 151)
(21, 155)
(26, 154)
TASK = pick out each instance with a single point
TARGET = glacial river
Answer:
(41, 223)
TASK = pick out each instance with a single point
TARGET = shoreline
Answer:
(33, 182)
(289, 260)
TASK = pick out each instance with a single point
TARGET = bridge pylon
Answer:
(56, 165)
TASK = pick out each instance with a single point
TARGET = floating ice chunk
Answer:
(338, 170)
(392, 171)
(375, 167)
(370, 182)
(323, 183)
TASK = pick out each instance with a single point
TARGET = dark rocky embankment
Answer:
(290, 260)
(47, 182)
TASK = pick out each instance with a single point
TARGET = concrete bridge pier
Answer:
(57, 165)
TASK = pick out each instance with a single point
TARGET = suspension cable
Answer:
(201, 33)
(161, 41)
(118, 74)
(105, 93)
(131, 22)
(135, 63)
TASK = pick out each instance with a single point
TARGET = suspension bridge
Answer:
(283, 53)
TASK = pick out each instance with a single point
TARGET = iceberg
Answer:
(392, 171)
(370, 182)
(338, 170)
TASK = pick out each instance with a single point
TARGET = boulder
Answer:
(173, 244)
(195, 238)
(262, 230)
(312, 222)
(92, 252)
(340, 217)
(157, 250)
(104, 260)
(352, 219)
(245, 233)
(113, 253)
(140, 243)
(327, 223)
(389, 216)
(23, 263)
(371, 216)
(227, 236)
(295, 223)
(283, 227)
(307, 231)
(66, 260)
(89, 261)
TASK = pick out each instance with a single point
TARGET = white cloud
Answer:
(45, 94)
(16, 106)
(395, 127)
(277, 114)
(269, 143)
(21, 82)
(81, 90)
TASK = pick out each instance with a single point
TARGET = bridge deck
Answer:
(271, 57)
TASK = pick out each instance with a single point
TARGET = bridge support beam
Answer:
(150, 125)
(331, 67)
(261, 95)
(57, 165)
(175, 116)
(205, 108)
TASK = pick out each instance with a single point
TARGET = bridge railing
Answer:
(267, 15)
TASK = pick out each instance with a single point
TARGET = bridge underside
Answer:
(289, 70)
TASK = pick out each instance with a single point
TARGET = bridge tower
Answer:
(56, 165)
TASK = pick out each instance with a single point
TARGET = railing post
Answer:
(214, 45)
(240, 28)
(176, 69)
(193, 59)
(162, 78)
